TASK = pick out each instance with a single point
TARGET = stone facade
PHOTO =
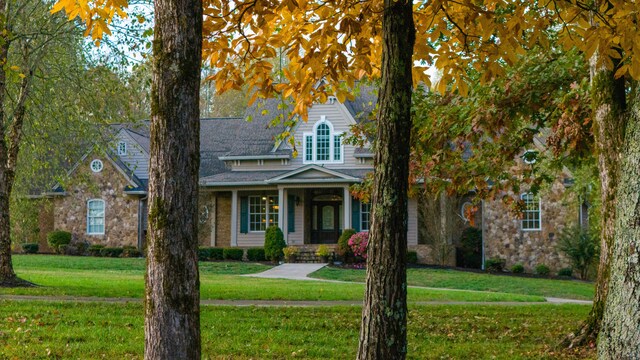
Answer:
(121, 210)
(214, 229)
(505, 239)
(223, 219)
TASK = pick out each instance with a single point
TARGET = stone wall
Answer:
(121, 210)
(505, 239)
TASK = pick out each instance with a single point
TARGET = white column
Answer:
(346, 208)
(234, 217)
(282, 221)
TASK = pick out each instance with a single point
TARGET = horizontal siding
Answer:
(136, 159)
(250, 239)
(412, 222)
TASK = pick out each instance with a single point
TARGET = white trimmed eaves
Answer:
(255, 157)
(300, 170)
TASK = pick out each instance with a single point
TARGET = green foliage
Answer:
(111, 252)
(566, 272)
(323, 251)
(581, 247)
(343, 249)
(30, 248)
(274, 243)
(412, 257)
(95, 249)
(256, 254)
(494, 265)
(130, 251)
(517, 269)
(542, 269)
(57, 238)
(232, 254)
(471, 247)
(210, 253)
(290, 253)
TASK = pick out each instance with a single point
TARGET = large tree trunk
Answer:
(172, 299)
(620, 335)
(610, 117)
(383, 334)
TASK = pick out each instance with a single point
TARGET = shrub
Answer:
(542, 269)
(323, 250)
(57, 238)
(517, 269)
(94, 250)
(232, 254)
(255, 254)
(581, 247)
(565, 272)
(74, 248)
(204, 253)
(358, 244)
(494, 264)
(274, 243)
(471, 248)
(111, 252)
(343, 248)
(217, 253)
(30, 248)
(130, 251)
(412, 257)
(290, 253)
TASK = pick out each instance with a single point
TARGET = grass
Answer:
(124, 278)
(90, 331)
(454, 279)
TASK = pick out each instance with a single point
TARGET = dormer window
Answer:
(323, 145)
(122, 148)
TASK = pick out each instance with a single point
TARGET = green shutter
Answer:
(291, 213)
(244, 215)
(355, 214)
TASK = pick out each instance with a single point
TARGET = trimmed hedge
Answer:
(30, 248)
(494, 264)
(111, 252)
(232, 254)
(412, 257)
(57, 238)
(517, 269)
(130, 251)
(274, 243)
(542, 269)
(94, 250)
(566, 272)
(256, 254)
(209, 253)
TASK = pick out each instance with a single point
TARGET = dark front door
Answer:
(325, 222)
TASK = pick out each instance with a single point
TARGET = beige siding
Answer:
(252, 238)
(297, 237)
(136, 159)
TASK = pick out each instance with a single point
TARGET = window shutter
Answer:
(244, 215)
(291, 213)
(355, 214)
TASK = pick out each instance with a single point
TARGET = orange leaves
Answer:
(95, 14)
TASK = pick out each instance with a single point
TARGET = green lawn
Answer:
(45, 330)
(453, 279)
(124, 278)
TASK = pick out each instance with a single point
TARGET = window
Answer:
(263, 212)
(96, 166)
(531, 214)
(322, 145)
(122, 148)
(95, 217)
(365, 216)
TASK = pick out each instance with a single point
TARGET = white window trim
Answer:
(314, 142)
(535, 197)
(267, 213)
(122, 151)
(362, 204)
(96, 161)
(104, 217)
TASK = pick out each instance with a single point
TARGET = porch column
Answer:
(282, 221)
(346, 208)
(213, 218)
(234, 217)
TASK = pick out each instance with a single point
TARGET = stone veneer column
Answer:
(234, 217)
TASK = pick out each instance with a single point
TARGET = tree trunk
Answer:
(620, 336)
(610, 116)
(383, 334)
(172, 298)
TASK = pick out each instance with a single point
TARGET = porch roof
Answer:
(310, 174)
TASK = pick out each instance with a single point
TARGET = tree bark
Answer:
(620, 336)
(610, 117)
(172, 298)
(383, 333)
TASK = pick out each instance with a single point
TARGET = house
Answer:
(249, 181)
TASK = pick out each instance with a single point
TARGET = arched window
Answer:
(95, 217)
(322, 145)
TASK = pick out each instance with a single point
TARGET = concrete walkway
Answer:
(290, 271)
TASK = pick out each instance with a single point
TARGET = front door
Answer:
(326, 222)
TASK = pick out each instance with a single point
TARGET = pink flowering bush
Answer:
(358, 244)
